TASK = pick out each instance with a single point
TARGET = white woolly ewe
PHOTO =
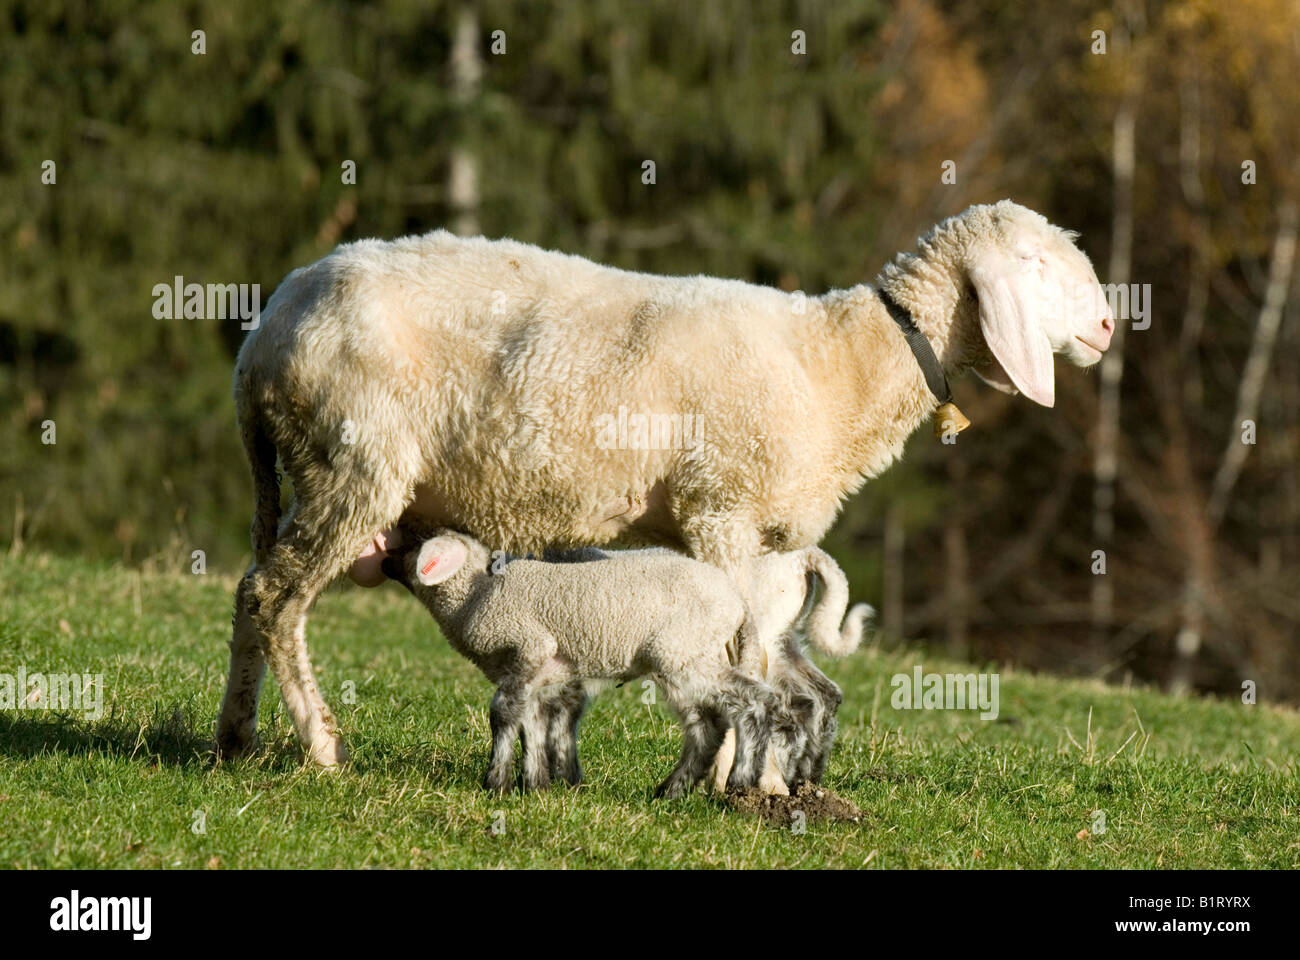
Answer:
(461, 382)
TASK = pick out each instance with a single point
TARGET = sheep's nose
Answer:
(1107, 328)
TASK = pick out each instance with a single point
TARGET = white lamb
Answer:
(537, 629)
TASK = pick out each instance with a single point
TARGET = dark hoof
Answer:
(231, 747)
(670, 789)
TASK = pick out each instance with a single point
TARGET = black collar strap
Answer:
(947, 417)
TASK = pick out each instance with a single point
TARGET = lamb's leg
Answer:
(553, 715)
(703, 727)
(774, 778)
(795, 731)
(573, 769)
(506, 715)
(751, 705)
(817, 768)
(793, 719)
(722, 762)
(823, 698)
(778, 769)
(533, 744)
(564, 712)
(716, 719)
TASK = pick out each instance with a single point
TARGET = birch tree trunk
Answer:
(467, 75)
(1106, 462)
(1196, 535)
(1280, 267)
(1198, 284)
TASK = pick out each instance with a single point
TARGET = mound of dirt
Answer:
(816, 803)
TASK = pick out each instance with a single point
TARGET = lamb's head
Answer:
(423, 564)
(1038, 296)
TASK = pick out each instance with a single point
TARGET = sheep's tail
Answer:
(829, 629)
(261, 452)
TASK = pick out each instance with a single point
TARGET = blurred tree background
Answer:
(797, 144)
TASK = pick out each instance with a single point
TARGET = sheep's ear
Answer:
(438, 559)
(1008, 287)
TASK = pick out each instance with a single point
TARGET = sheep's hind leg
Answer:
(325, 531)
(237, 723)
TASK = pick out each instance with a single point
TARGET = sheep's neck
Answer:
(880, 375)
(933, 285)
(934, 290)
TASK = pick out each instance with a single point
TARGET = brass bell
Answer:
(948, 418)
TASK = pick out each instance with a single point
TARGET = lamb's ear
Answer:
(1008, 287)
(438, 559)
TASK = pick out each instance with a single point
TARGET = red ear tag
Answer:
(429, 566)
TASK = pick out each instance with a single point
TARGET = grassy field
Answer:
(1180, 782)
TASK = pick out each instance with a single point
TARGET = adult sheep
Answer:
(473, 384)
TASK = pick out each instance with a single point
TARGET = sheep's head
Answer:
(1038, 296)
(432, 561)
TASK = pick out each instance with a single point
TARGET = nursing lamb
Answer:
(538, 629)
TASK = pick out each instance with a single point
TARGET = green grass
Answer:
(1199, 783)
